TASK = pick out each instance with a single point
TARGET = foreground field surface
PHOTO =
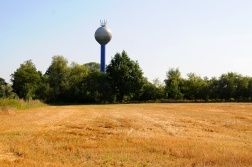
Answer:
(128, 135)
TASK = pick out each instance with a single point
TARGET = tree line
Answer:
(123, 82)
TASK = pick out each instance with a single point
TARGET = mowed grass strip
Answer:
(209, 134)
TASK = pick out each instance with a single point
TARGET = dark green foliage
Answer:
(57, 76)
(6, 90)
(2, 87)
(93, 66)
(151, 92)
(123, 82)
(173, 84)
(228, 86)
(125, 77)
(94, 86)
(2, 81)
(26, 80)
(75, 79)
(212, 87)
(194, 87)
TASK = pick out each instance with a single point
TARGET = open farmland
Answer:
(212, 134)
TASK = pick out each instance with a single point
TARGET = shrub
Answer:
(19, 103)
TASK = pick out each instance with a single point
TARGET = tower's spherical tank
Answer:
(103, 35)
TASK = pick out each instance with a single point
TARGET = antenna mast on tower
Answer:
(103, 23)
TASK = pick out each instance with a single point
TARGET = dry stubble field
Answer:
(212, 134)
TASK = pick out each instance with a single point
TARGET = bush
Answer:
(19, 104)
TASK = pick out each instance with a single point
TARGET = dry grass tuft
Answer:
(7, 111)
(129, 135)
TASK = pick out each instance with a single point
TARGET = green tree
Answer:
(77, 73)
(95, 87)
(213, 88)
(25, 80)
(160, 89)
(2, 87)
(93, 66)
(57, 76)
(151, 91)
(241, 91)
(249, 91)
(2, 81)
(43, 91)
(195, 87)
(125, 77)
(205, 91)
(173, 84)
(6, 90)
(227, 86)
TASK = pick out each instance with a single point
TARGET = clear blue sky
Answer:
(209, 37)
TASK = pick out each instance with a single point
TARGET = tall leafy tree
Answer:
(195, 85)
(25, 80)
(173, 84)
(241, 91)
(160, 89)
(77, 73)
(43, 91)
(58, 79)
(227, 85)
(125, 76)
(204, 90)
(213, 88)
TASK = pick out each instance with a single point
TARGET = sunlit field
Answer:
(211, 134)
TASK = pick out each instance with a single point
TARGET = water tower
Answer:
(103, 35)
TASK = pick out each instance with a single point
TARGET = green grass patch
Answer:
(19, 104)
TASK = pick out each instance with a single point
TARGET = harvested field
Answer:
(211, 134)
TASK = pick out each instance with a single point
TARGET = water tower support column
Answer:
(103, 58)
